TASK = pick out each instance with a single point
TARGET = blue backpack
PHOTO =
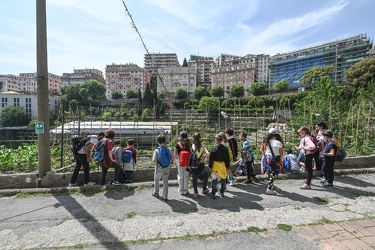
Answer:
(99, 150)
(127, 155)
(164, 156)
(286, 162)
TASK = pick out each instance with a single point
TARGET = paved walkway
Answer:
(342, 217)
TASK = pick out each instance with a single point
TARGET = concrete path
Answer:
(339, 217)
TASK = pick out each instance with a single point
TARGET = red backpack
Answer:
(184, 156)
(315, 141)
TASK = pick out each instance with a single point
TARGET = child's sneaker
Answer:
(155, 195)
(305, 186)
(205, 191)
(72, 185)
(116, 183)
(271, 192)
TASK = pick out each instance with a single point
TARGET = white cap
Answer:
(272, 130)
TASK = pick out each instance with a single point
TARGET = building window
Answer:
(4, 101)
(16, 101)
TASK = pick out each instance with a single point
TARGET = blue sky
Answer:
(94, 33)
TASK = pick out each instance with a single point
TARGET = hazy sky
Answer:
(94, 33)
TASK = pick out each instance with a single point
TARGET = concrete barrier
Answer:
(31, 180)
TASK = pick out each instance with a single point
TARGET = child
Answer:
(162, 158)
(129, 167)
(292, 158)
(117, 152)
(229, 171)
(249, 164)
(182, 152)
(328, 155)
(241, 169)
(218, 164)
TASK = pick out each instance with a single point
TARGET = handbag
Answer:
(277, 163)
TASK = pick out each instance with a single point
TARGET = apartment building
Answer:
(173, 78)
(154, 61)
(235, 70)
(29, 102)
(125, 76)
(342, 54)
(80, 76)
(204, 66)
(27, 83)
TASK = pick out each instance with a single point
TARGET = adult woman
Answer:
(199, 171)
(182, 158)
(305, 147)
(274, 152)
(109, 161)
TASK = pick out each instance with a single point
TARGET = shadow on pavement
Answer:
(88, 221)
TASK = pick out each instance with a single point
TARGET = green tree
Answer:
(184, 64)
(236, 91)
(116, 94)
(209, 105)
(145, 114)
(147, 97)
(258, 88)
(217, 91)
(131, 94)
(181, 94)
(281, 86)
(199, 92)
(12, 116)
(92, 90)
(361, 74)
(317, 74)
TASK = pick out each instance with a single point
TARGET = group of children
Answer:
(220, 158)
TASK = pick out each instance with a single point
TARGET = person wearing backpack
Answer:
(129, 164)
(290, 162)
(272, 157)
(307, 148)
(320, 127)
(232, 143)
(109, 161)
(250, 163)
(162, 158)
(182, 154)
(200, 153)
(218, 164)
(83, 158)
(328, 154)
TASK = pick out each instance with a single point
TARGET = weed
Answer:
(284, 227)
(321, 199)
(130, 214)
(256, 229)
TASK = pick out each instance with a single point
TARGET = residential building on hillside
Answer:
(174, 78)
(239, 71)
(125, 76)
(28, 102)
(342, 54)
(155, 61)
(9, 83)
(225, 57)
(27, 83)
(203, 66)
(81, 76)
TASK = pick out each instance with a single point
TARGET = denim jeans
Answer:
(214, 186)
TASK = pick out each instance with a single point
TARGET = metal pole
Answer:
(44, 156)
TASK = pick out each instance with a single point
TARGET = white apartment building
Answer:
(27, 83)
(204, 66)
(29, 102)
(173, 78)
(80, 76)
(125, 76)
(154, 61)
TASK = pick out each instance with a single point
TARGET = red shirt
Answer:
(108, 150)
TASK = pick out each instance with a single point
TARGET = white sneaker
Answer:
(271, 192)
(72, 185)
(305, 186)
(89, 184)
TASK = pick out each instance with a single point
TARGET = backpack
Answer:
(286, 162)
(184, 156)
(340, 155)
(164, 156)
(127, 155)
(315, 141)
(194, 160)
(99, 150)
(77, 143)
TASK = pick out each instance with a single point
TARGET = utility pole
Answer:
(44, 152)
